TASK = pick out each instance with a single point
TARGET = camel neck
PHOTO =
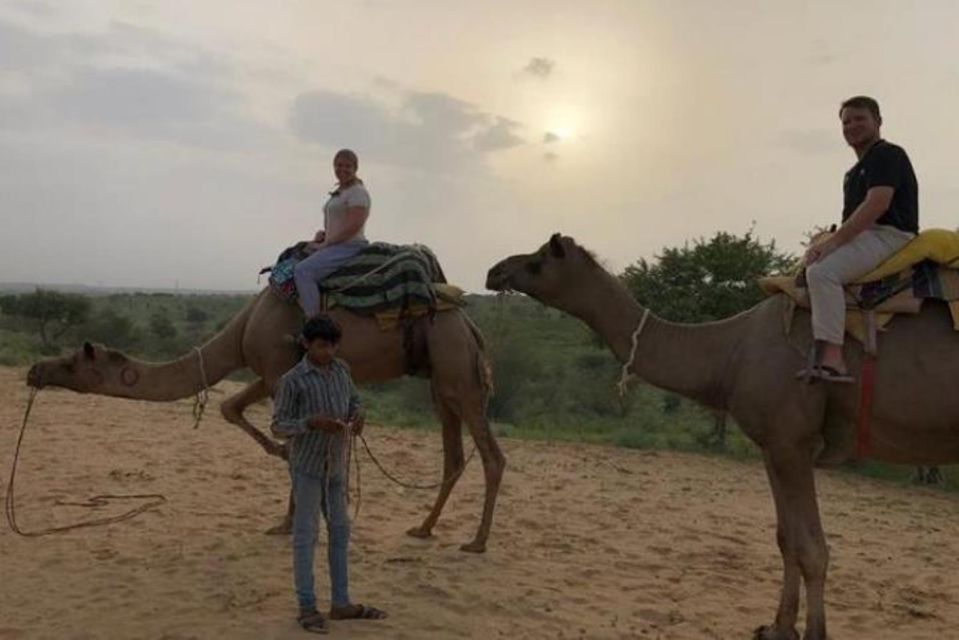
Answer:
(180, 378)
(199, 368)
(688, 359)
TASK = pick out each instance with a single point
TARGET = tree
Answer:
(196, 315)
(51, 312)
(161, 326)
(112, 328)
(709, 280)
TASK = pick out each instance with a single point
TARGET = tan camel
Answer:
(747, 365)
(259, 338)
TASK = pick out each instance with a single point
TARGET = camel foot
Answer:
(419, 532)
(276, 449)
(767, 632)
(474, 547)
(282, 529)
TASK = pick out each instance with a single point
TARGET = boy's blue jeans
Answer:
(311, 495)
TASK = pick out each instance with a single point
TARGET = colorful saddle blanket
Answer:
(926, 268)
(381, 277)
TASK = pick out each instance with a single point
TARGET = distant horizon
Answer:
(63, 287)
(26, 287)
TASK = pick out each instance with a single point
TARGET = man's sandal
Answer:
(825, 373)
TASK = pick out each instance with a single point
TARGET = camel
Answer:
(259, 338)
(747, 365)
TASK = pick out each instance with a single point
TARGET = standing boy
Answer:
(316, 406)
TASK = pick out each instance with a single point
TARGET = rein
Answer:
(155, 499)
(406, 485)
(203, 395)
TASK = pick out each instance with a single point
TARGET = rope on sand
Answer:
(155, 499)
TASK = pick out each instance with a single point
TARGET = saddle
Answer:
(387, 281)
(925, 268)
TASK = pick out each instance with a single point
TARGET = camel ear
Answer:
(556, 247)
(89, 351)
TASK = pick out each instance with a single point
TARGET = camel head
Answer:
(552, 274)
(92, 369)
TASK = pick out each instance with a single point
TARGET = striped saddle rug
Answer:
(382, 277)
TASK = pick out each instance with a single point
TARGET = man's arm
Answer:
(871, 209)
(876, 203)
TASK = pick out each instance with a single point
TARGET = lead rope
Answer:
(407, 485)
(10, 509)
(203, 395)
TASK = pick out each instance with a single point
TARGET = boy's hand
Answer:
(330, 425)
(356, 424)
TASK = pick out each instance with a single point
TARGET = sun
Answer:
(563, 123)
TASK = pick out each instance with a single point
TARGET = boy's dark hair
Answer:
(322, 327)
(862, 102)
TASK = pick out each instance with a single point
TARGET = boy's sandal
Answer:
(313, 621)
(356, 612)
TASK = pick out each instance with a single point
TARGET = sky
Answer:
(185, 143)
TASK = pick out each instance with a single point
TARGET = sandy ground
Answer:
(588, 542)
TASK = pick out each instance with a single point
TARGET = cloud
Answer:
(551, 138)
(140, 98)
(539, 67)
(21, 49)
(499, 136)
(550, 156)
(425, 129)
(127, 80)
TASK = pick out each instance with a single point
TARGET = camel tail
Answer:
(484, 368)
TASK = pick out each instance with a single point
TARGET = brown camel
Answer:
(746, 365)
(259, 338)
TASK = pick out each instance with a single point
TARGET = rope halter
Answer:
(625, 376)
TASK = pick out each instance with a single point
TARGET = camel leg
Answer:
(453, 465)
(232, 410)
(494, 462)
(286, 526)
(801, 542)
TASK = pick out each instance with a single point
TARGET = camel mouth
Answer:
(499, 284)
(498, 279)
(34, 378)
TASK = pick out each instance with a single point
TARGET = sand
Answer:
(588, 541)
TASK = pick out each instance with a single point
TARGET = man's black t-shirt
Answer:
(884, 165)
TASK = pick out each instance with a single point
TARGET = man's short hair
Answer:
(322, 327)
(862, 102)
